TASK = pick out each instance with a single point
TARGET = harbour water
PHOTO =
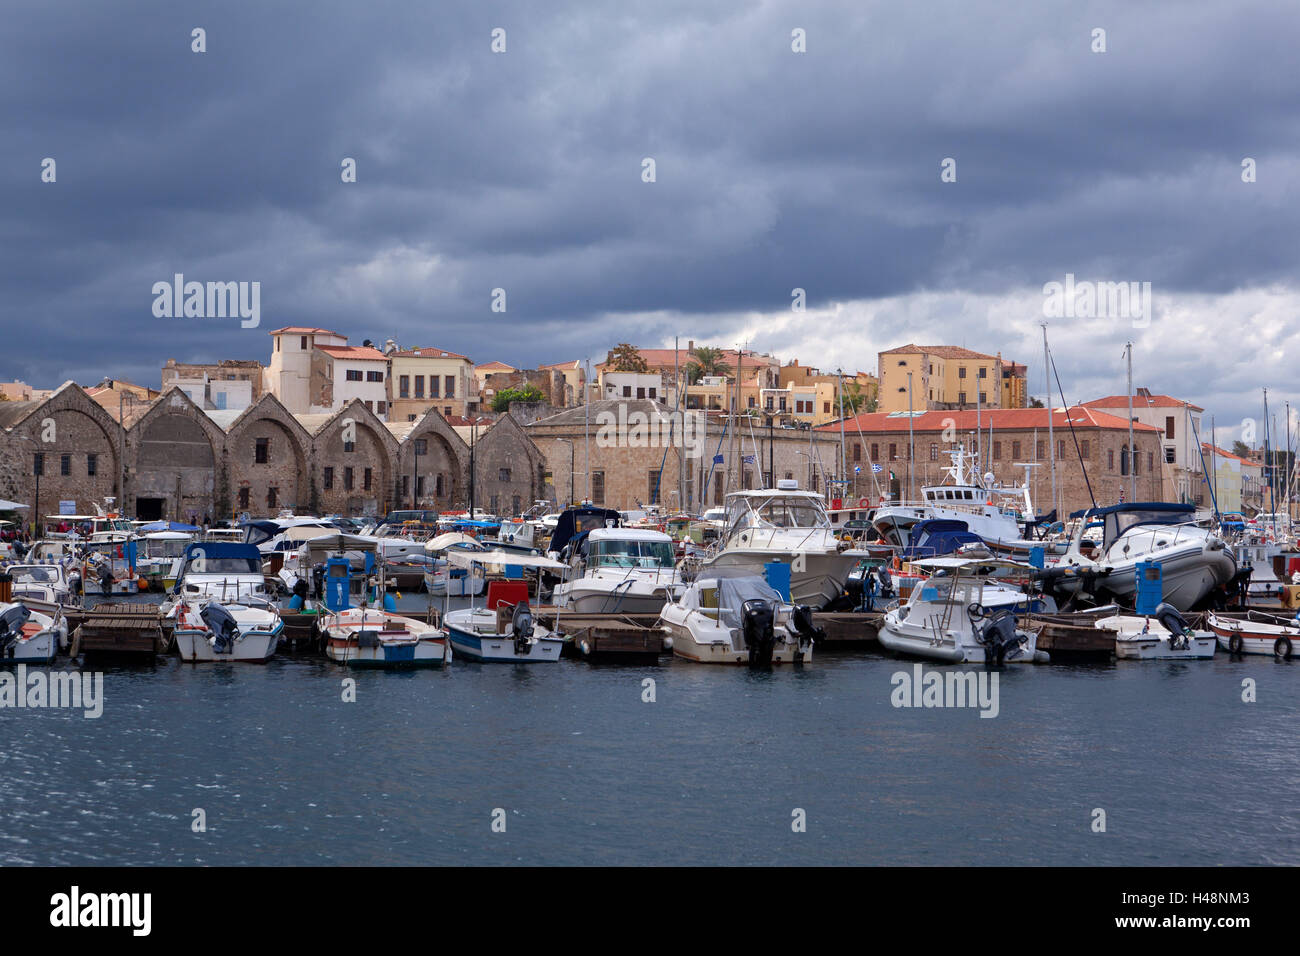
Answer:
(711, 772)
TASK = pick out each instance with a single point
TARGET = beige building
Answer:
(575, 379)
(424, 378)
(947, 377)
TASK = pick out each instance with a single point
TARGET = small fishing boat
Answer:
(208, 630)
(1162, 636)
(503, 630)
(28, 636)
(1256, 633)
(966, 612)
(738, 620)
(373, 637)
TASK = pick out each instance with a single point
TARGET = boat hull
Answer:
(500, 648)
(952, 647)
(256, 647)
(1251, 637)
(422, 653)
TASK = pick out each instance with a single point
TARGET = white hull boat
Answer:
(30, 637)
(738, 620)
(620, 571)
(1257, 633)
(208, 631)
(479, 635)
(1138, 637)
(370, 637)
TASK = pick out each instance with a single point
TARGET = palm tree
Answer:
(706, 361)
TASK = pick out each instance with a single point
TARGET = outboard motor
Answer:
(11, 628)
(855, 592)
(222, 624)
(805, 631)
(521, 624)
(886, 582)
(1175, 624)
(998, 634)
(757, 617)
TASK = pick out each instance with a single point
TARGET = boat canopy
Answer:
(732, 594)
(453, 539)
(1117, 519)
(575, 521)
(465, 559)
(155, 526)
(776, 509)
(220, 557)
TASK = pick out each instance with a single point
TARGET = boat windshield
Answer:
(789, 512)
(223, 565)
(631, 554)
(34, 574)
(1118, 522)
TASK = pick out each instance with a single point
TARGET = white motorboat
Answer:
(738, 620)
(1193, 560)
(504, 629)
(223, 572)
(29, 636)
(208, 630)
(966, 612)
(620, 571)
(1256, 633)
(47, 584)
(372, 637)
(782, 525)
(1162, 636)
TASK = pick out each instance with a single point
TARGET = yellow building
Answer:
(947, 377)
(425, 378)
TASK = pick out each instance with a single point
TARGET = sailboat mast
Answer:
(1047, 392)
(1132, 452)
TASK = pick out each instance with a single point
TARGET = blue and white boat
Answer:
(504, 630)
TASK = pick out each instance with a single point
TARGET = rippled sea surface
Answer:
(584, 771)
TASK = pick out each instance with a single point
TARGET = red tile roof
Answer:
(428, 353)
(1002, 419)
(496, 366)
(304, 330)
(1220, 453)
(942, 351)
(353, 353)
(1141, 401)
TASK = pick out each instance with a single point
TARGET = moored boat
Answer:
(1256, 633)
(1162, 636)
(371, 637)
(503, 630)
(738, 620)
(207, 630)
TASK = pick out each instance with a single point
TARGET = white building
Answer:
(288, 377)
(341, 373)
(635, 385)
(216, 394)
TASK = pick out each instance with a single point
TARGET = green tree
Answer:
(503, 399)
(706, 360)
(1241, 449)
(1036, 403)
(856, 400)
(626, 358)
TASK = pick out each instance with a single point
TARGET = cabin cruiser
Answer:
(518, 534)
(1193, 560)
(208, 630)
(47, 584)
(503, 630)
(28, 636)
(1161, 636)
(739, 620)
(221, 572)
(620, 571)
(782, 525)
(966, 612)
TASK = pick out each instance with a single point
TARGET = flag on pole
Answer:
(717, 459)
(748, 459)
(877, 469)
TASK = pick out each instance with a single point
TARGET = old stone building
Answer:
(189, 464)
(641, 453)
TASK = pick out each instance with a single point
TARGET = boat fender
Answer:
(1236, 644)
(1282, 648)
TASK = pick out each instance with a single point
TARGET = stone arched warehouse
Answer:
(170, 459)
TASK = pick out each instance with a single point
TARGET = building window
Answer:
(984, 373)
(640, 393)
(404, 386)
(857, 451)
(961, 372)
(997, 451)
(433, 386)
(374, 376)
(654, 486)
(419, 386)
(329, 477)
(1137, 459)
(302, 343)
(503, 474)
(437, 485)
(983, 399)
(406, 485)
(1169, 426)
(272, 495)
(446, 410)
(934, 451)
(1123, 460)
(349, 446)
(653, 395)
(450, 390)
(1171, 454)
(65, 464)
(1015, 449)
(875, 451)
(262, 451)
(961, 398)
(1040, 450)
(1110, 459)
(419, 486)
(353, 375)
(243, 499)
(893, 451)
(1151, 461)
(1060, 449)
(1084, 449)
(627, 391)
(598, 487)
(410, 418)
(366, 477)
(421, 446)
(347, 478)
(92, 465)
(381, 407)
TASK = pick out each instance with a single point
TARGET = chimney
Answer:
(690, 345)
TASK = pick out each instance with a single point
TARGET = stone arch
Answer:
(71, 432)
(267, 460)
(367, 464)
(508, 468)
(173, 451)
(441, 468)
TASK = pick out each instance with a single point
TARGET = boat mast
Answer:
(911, 440)
(1047, 391)
(844, 476)
(1132, 452)
(1268, 475)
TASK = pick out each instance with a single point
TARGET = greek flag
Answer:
(877, 469)
(748, 459)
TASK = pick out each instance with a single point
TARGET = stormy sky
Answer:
(774, 170)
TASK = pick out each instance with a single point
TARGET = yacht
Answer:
(965, 611)
(620, 571)
(1193, 560)
(782, 525)
(738, 620)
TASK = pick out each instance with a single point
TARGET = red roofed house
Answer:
(1180, 423)
(1019, 435)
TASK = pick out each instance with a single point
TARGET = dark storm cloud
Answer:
(522, 170)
